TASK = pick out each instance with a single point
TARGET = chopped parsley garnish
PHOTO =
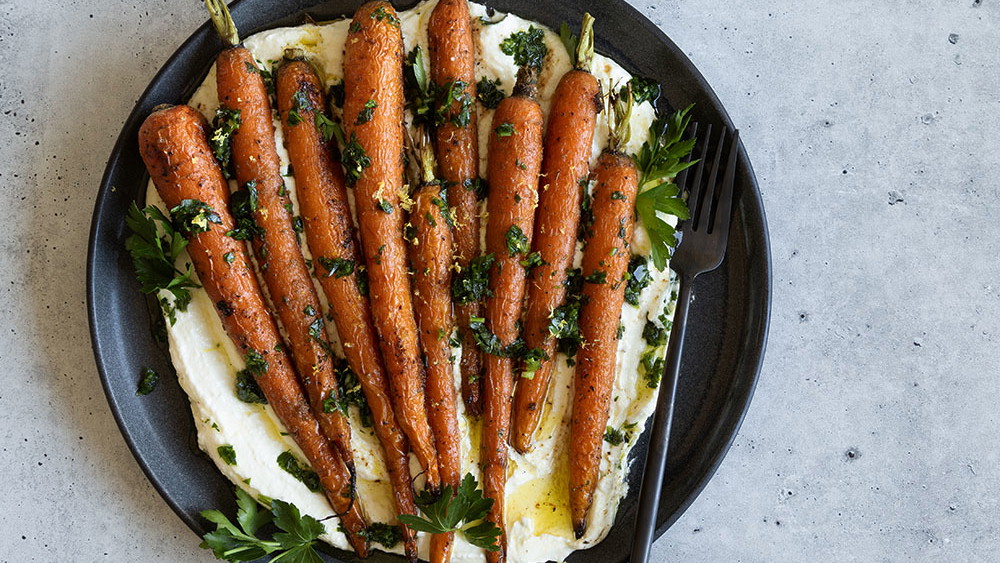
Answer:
(442, 205)
(477, 185)
(337, 267)
(300, 103)
(295, 542)
(387, 535)
(381, 14)
(532, 260)
(227, 453)
(366, 113)
(242, 205)
(354, 28)
(154, 246)
(564, 323)
(327, 128)
(644, 89)
(659, 161)
(472, 283)
(348, 392)
(617, 195)
(533, 359)
(384, 206)
(617, 437)
(488, 92)
(654, 335)
(228, 257)
(247, 389)
(147, 381)
(487, 341)
(355, 160)
(527, 47)
(517, 241)
(597, 277)
(448, 95)
(464, 512)
(419, 93)
(299, 470)
(505, 130)
(224, 124)
(638, 279)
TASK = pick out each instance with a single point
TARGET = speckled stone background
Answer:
(872, 125)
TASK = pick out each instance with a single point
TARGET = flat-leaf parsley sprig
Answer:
(464, 512)
(155, 244)
(659, 161)
(294, 544)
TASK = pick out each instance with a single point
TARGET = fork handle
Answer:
(656, 454)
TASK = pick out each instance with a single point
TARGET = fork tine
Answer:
(725, 201)
(681, 179)
(695, 191)
(708, 204)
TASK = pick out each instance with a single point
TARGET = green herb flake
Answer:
(527, 47)
(247, 389)
(242, 205)
(381, 14)
(336, 267)
(302, 472)
(505, 129)
(597, 277)
(326, 127)
(384, 534)
(147, 382)
(489, 93)
(517, 241)
(638, 279)
(366, 113)
(355, 160)
(300, 103)
(225, 123)
(644, 89)
(472, 283)
(336, 92)
(532, 260)
(384, 206)
(229, 257)
(227, 453)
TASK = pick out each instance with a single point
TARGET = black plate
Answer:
(725, 338)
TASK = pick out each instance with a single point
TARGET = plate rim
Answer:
(752, 189)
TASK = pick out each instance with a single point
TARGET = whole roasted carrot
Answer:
(322, 196)
(173, 144)
(258, 170)
(373, 159)
(565, 165)
(430, 256)
(452, 62)
(515, 159)
(605, 263)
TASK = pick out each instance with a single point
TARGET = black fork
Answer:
(701, 249)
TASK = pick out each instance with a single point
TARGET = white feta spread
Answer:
(538, 520)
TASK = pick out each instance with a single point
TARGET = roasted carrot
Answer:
(605, 263)
(431, 259)
(322, 196)
(173, 144)
(452, 61)
(373, 158)
(257, 169)
(515, 159)
(565, 165)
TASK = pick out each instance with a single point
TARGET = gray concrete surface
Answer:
(872, 126)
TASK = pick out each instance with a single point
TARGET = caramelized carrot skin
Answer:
(323, 203)
(514, 164)
(373, 64)
(431, 259)
(605, 256)
(255, 159)
(173, 146)
(452, 58)
(566, 163)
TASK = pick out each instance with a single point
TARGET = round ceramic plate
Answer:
(725, 336)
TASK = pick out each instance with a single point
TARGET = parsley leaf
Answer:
(227, 453)
(337, 267)
(242, 204)
(637, 280)
(327, 128)
(463, 510)
(355, 160)
(296, 540)
(659, 161)
(154, 246)
(505, 130)
(247, 389)
(644, 89)
(365, 115)
(193, 216)
(517, 241)
(382, 533)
